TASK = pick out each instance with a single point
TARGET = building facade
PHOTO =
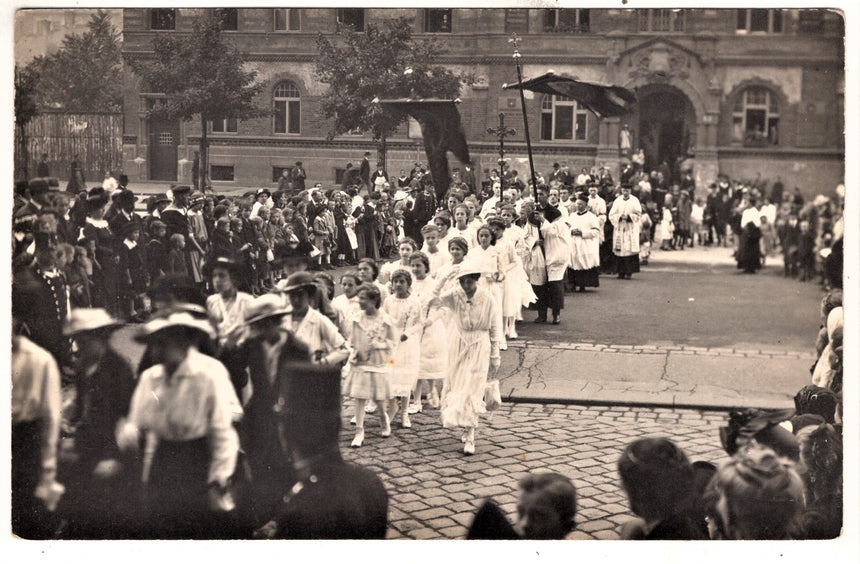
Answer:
(737, 91)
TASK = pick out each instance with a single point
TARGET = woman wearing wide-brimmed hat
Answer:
(186, 406)
(473, 351)
(105, 383)
(101, 244)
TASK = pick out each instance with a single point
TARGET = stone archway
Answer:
(665, 120)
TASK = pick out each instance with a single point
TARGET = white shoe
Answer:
(386, 425)
(370, 407)
(514, 335)
(434, 398)
(358, 439)
(352, 421)
(469, 448)
(406, 422)
(414, 408)
(503, 347)
(464, 437)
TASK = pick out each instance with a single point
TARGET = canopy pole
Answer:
(515, 40)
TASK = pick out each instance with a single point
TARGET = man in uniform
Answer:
(331, 499)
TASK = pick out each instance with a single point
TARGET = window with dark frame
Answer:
(566, 20)
(759, 20)
(351, 17)
(287, 108)
(562, 119)
(663, 20)
(437, 20)
(228, 125)
(229, 18)
(162, 19)
(286, 19)
(755, 118)
(222, 172)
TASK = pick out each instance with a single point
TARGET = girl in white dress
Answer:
(516, 237)
(405, 247)
(432, 361)
(345, 305)
(404, 312)
(461, 226)
(473, 352)
(372, 339)
(435, 246)
(487, 255)
(516, 292)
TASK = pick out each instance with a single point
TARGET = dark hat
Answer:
(582, 196)
(366, 153)
(181, 189)
(221, 262)
(551, 213)
(161, 198)
(97, 198)
(123, 180)
(295, 281)
(298, 163)
(37, 185)
(129, 227)
(53, 181)
(125, 196)
(45, 240)
(308, 389)
(761, 425)
(21, 187)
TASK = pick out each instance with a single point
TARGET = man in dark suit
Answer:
(331, 499)
(123, 202)
(468, 177)
(298, 176)
(422, 212)
(42, 169)
(364, 171)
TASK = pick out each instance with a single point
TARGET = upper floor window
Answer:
(759, 21)
(287, 19)
(662, 19)
(562, 118)
(162, 18)
(566, 19)
(287, 108)
(437, 20)
(228, 125)
(755, 119)
(352, 17)
(229, 18)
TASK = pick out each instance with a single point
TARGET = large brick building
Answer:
(739, 91)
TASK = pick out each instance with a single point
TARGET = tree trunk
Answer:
(203, 174)
(383, 152)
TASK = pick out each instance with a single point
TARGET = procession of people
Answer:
(229, 426)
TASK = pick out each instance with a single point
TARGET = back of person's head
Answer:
(815, 400)
(547, 506)
(759, 494)
(821, 459)
(657, 476)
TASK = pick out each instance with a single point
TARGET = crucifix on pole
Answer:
(501, 132)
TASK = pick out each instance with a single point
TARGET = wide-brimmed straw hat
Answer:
(175, 320)
(295, 281)
(470, 267)
(263, 307)
(86, 319)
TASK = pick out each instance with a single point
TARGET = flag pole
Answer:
(516, 40)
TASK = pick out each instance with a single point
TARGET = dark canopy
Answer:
(604, 100)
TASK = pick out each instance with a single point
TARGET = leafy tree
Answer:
(203, 76)
(382, 62)
(26, 82)
(83, 75)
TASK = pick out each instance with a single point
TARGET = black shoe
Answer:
(555, 321)
(620, 276)
(540, 319)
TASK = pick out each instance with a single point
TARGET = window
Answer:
(566, 20)
(662, 19)
(352, 17)
(287, 106)
(437, 21)
(562, 118)
(287, 19)
(277, 172)
(229, 18)
(162, 19)
(759, 21)
(755, 119)
(229, 125)
(223, 172)
(810, 21)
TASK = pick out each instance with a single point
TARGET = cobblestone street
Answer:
(434, 489)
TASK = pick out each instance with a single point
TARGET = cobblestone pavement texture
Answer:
(434, 489)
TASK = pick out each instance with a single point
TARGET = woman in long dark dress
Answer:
(101, 243)
(77, 182)
(749, 248)
(186, 405)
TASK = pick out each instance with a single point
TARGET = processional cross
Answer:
(501, 132)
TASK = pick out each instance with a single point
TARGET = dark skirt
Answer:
(549, 296)
(177, 494)
(627, 265)
(749, 250)
(584, 278)
(28, 513)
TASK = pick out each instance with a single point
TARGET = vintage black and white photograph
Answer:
(519, 271)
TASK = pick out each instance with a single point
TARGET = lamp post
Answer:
(501, 132)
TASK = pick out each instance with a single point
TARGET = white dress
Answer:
(405, 317)
(473, 338)
(585, 248)
(433, 353)
(517, 293)
(370, 377)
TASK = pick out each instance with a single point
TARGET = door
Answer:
(163, 149)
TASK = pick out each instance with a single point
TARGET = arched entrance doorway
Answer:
(666, 125)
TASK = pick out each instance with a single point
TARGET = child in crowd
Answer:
(346, 305)
(78, 274)
(156, 252)
(405, 247)
(176, 256)
(404, 312)
(432, 246)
